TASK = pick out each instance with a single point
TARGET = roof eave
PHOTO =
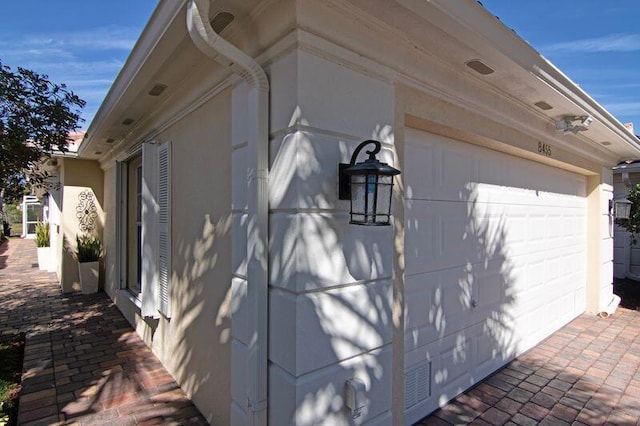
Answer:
(164, 14)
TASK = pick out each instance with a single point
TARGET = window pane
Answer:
(133, 228)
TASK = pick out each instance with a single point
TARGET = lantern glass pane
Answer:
(370, 205)
(357, 194)
(622, 209)
(384, 199)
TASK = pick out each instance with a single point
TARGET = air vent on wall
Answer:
(221, 21)
(480, 67)
(417, 384)
(543, 105)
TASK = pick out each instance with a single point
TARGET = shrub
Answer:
(88, 248)
(42, 234)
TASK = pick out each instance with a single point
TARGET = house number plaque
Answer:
(544, 149)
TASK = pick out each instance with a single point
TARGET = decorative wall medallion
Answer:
(86, 211)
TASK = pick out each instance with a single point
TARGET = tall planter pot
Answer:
(89, 276)
(44, 258)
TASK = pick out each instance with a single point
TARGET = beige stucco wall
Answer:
(77, 176)
(599, 241)
(194, 345)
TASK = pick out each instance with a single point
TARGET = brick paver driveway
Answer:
(585, 374)
(83, 363)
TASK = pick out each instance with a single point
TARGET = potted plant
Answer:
(88, 252)
(6, 227)
(43, 242)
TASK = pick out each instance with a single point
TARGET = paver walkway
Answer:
(587, 373)
(83, 363)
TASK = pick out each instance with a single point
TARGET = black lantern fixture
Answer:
(620, 208)
(369, 186)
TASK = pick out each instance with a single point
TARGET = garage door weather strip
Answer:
(213, 45)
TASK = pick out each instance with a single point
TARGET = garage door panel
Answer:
(495, 259)
(440, 305)
(526, 174)
(457, 164)
(440, 235)
(495, 345)
(456, 361)
(444, 302)
(457, 168)
(492, 289)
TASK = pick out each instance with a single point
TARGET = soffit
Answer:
(165, 55)
(455, 32)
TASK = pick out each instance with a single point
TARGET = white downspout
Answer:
(214, 46)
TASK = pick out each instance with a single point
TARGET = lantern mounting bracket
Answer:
(344, 183)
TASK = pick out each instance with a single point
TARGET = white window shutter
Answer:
(164, 229)
(149, 261)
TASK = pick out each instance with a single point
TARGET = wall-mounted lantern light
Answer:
(369, 186)
(620, 208)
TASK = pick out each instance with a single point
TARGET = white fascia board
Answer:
(162, 17)
(633, 167)
(67, 154)
(479, 24)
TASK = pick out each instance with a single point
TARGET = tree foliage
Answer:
(36, 118)
(632, 225)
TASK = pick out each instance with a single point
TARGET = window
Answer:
(132, 220)
(145, 239)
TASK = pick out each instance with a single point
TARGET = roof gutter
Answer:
(214, 46)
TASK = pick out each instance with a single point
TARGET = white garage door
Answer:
(495, 262)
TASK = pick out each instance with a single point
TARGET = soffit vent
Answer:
(480, 67)
(605, 143)
(543, 105)
(110, 140)
(221, 21)
(157, 89)
(128, 121)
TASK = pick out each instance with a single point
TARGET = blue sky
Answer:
(84, 43)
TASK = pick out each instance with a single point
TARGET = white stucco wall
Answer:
(330, 282)
(195, 344)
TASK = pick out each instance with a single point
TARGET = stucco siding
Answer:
(330, 282)
(195, 344)
(77, 177)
